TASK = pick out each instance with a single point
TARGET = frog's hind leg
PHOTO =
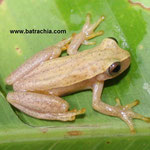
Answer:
(50, 52)
(86, 33)
(48, 107)
(123, 112)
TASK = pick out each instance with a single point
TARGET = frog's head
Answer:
(118, 60)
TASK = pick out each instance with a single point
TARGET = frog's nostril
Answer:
(113, 39)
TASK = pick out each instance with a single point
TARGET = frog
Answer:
(43, 79)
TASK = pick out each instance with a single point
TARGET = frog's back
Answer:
(65, 71)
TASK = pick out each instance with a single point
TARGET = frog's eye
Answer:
(114, 68)
(113, 39)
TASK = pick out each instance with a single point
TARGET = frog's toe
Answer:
(78, 112)
(127, 114)
(72, 114)
(138, 116)
(146, 119)
(94, 34)
(82, 111)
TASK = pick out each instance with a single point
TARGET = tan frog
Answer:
(40, 81)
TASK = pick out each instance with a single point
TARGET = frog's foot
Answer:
(126, 114)
(89, 28)
(86, 33)
(63, 116)
(70, 115)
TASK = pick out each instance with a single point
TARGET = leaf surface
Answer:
(129, 24)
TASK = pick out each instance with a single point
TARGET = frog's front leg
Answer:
(46, 54)
(123, 112)
(48, 107)
(86, 33)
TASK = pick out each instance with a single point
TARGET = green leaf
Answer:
(128, 23)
